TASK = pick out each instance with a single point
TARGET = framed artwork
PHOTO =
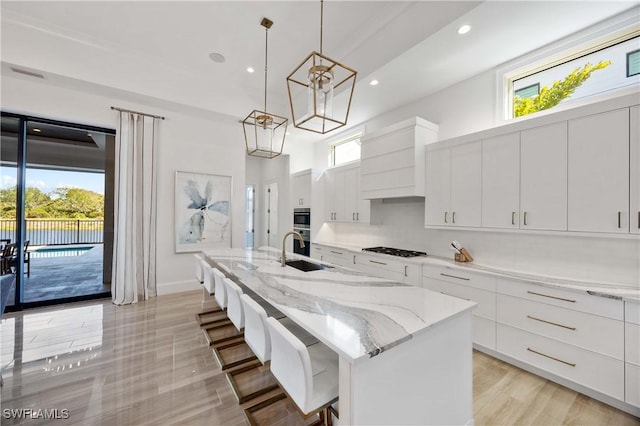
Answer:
(203, 211)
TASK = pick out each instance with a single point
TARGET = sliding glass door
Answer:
(62, 182)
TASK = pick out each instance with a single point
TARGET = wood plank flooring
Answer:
(150, 364)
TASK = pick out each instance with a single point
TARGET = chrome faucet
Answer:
(283, 259)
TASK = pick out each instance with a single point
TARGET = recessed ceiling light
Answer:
(250, 70)
(374, 82)
(464, 29)
(217, 57)
(37, 130)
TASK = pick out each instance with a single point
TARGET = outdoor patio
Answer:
(64, 276)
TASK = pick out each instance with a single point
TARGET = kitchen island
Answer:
(405, 352)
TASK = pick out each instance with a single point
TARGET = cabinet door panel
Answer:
(598, 173)
(350, 189)
(340, 214)
(634, 149)
(501, 181)
(329, 196)
(466, 184)
(438, 187)
(543, 178)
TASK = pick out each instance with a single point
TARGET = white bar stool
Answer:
(220, 292)
(211, 311)
(199, 272)
(256, 333)
(309, 375)
(234, 307)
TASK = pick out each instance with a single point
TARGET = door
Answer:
(598, 175)
(501, 181)
(249, 216)
(543, 178)
(438, 187)
(466, 184)
(271, 214)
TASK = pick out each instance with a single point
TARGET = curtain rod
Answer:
(137, 112)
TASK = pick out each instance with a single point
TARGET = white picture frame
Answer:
(202, 211)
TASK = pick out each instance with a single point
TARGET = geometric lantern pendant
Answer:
(264, 132)
(320, 93)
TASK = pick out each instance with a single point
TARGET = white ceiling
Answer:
(158, 51)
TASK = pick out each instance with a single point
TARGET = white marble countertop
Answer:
(621, 291)
(356, 315)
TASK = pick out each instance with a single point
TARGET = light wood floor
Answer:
(150, 364)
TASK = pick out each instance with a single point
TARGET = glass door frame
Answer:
(21, 171)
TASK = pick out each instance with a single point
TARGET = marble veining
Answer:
(357, 315)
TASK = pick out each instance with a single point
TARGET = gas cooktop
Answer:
(395, 251)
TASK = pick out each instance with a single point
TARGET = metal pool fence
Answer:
(44, 232)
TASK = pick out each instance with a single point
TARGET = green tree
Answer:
(77, 203)
(560, 90)
(36, 203)
(8, 202)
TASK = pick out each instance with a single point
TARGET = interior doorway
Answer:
(249, 216)
(271, 214)
(57, 209)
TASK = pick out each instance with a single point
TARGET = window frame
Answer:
(600, 36)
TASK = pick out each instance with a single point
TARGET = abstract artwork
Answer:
(203, 211)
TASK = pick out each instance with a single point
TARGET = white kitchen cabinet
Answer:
(543, 178)
(389, 268)
(632, 353)
(453, 187)
(333, 255)
(343, 202)
(479, 288)
(598, 172)
(301, 183)
(392, 159)
(569, 334)
(501, 181)
(634, 151)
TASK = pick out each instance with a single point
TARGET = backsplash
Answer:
(401, 225)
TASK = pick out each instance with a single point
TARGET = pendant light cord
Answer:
(321, 15)
(266, 51)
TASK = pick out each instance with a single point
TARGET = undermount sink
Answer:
(305, 266)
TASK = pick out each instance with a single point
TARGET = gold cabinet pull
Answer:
(453, 276)
(405, 271)
(358, 216)
(619, 219)
(513, 218)
(354, 259)
(379, 263)
(572, 364)
(525, 218)
(445, 217)
(335, 252)
(457, 297)
(552, 323)
(353, 216)
(551, 297)
(638, 219)
(453, 217)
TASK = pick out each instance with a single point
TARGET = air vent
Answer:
(25, 72)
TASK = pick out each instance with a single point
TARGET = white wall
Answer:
(186, 143)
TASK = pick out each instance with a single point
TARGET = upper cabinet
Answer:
(634, 150)
(393, 161)
(453, 186)
(574, 171)
(301, 184)
(343, 202)
(524, 179)
(598, 173)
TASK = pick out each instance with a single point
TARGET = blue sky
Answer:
(48, 180)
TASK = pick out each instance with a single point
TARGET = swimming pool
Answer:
(59, 251)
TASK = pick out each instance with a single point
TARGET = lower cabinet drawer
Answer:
(486, 300)
(484, 332)
(595, 371)
(591, 332)
(632, 384)
(632, 344)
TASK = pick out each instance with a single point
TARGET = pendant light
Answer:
(315, 105)
(264, 132)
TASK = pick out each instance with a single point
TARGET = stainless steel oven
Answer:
(306, 237)
(302, 224)
(302, 218)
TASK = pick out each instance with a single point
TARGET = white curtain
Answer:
(134, 246)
